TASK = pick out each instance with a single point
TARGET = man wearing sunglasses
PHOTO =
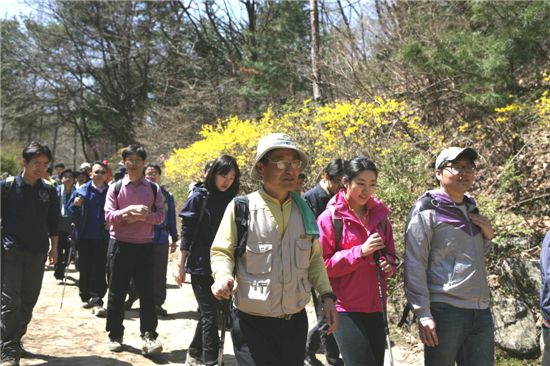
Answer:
(446, 285)
(87, 208)
(282, 260)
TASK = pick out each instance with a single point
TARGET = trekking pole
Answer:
(383, 302)
(65, 277)
(225, 306)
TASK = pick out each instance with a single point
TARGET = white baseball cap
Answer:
(272, 142)
(453, 153)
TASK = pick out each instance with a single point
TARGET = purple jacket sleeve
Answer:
(112, 215)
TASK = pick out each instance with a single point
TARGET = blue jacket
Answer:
(198, 261)
(545, 273)
(90, 214)
(168, 227)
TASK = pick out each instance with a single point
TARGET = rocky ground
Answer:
(72, 336)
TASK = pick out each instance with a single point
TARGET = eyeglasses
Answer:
(284, 164)
(457, 169)
(100, 172)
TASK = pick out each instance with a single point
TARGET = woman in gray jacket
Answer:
(445, 276)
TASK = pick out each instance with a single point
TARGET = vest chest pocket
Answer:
(258, 258)
(303, 252)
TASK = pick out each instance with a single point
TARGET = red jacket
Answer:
(353, 278)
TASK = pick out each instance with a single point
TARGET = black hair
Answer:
(35, 149)
(65, 172)
(50, 170)
(223, 165)
(355, 166)
(302, 176)
(120, 172)
(134, 149)
(59, 165)
(99, 163)
(154, 166)
(208, 166)
(335, 168)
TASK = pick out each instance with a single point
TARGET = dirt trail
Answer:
(72, 336)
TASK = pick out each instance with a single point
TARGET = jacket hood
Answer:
(375, 209)
(443, 198)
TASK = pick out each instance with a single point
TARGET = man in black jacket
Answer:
(30, 218)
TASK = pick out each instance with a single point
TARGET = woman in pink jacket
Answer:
(354, 230)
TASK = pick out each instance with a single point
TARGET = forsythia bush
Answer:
(340, 129)
(389, 132)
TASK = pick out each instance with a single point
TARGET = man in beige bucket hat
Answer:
(272, 279)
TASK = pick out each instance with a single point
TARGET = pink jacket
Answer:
(353, 278)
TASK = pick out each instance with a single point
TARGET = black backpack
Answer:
(242, 213)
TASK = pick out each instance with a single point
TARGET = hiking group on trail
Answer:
(255, 260)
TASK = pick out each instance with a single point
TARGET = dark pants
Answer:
(160, 266)
(465, 336)
(546, 341)
(206, 342)
(260, 341)
(22, 274)
(92, 285)
(128, 260)
(361, 339)
(63, 247)
(319, 335)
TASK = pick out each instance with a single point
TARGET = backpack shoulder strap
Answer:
(337, 226)
(242, 212)
(118, 187)
(154, 188)
(426, 203)
(7, 186)
(198, 224)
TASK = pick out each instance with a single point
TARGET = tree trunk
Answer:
(314, 18)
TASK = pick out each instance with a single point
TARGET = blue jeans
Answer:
(465, 336)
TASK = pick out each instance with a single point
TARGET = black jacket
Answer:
(317, 199)
(197, 237)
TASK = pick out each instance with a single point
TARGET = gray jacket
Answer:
(444, 255)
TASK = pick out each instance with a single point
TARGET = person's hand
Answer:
(484, 224)
(427, 333)
(179, 276)
(373, 243)
(173, 247)
(129, 217)
(224, 288)
(384, 265)
(52, 256)
(78, 201)
(331, 315)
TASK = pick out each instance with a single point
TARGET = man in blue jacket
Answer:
(545, 297)
(87, 206)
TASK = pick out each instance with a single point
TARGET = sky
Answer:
(11, 8)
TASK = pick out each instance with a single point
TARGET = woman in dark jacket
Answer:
(201, 215)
